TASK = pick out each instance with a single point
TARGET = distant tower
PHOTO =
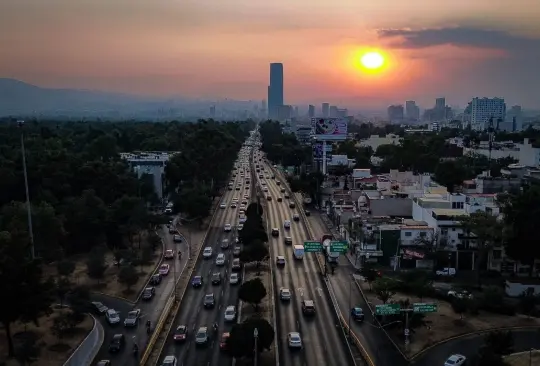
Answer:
(311, 111)
(275, 90)
(325, 109)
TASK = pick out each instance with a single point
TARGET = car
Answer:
(278, 182)
(265, 189)
(169, 254)
(216, 278)
(230, 188)
(177, 238)
(201, 337)
(209, 301)
(275, 232)
(308, 307)
(181, 333)
(112, 316)
(456, 360)
(294, 340)
(282, 190)
(240, 227)
(148, 293)
(225, 244)
(207, 252)
(223, 206)
(234, 205)
(164, 269)
(104, 363)
(156, 279)
(227, 228)
(279, 199)
(197, 281)
(292, 205)
(132, 318)
(308, 213)
(223, 341)
(285, 294)
(273, 177)
(117, 343)
(460, 294)
(236, 265)
(269, 198)
(288, 240)
(220, 259)
(237, 188)
(169, 361)
(246, 187)
(230, 313)
(287, 224)
(234, 279)
(99, 308)
(236, 251)
(172, 230)
(280, 261)
(357, 314)
(296, 217)
(286, 195)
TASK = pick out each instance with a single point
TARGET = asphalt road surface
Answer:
(149, 309)
(381, 350)
(192, 313)
(321, 334)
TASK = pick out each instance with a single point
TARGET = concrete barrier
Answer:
(89, 347)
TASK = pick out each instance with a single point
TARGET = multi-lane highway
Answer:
(150, 310)
(323, 342)
(192, 312)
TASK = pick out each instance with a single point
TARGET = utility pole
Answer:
(255, 350)
(20, 123)
(350, 306)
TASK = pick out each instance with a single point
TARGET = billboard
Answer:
(318, 151)
(329, 129)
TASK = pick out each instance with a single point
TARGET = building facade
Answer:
(484, 109)
(275, 90)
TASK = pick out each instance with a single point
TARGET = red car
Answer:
(223, 342)
(180, 335)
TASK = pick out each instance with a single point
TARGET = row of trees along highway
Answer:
(428, 153)
(85, 200)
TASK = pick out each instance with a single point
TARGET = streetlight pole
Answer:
(350, 305)
(256, 336)
(20, 123)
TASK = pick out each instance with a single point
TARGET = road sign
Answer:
(387, 309)
(339, 246)
(406, 332)
(312, 246)
(423, 308)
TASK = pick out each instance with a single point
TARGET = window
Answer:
(422, 234)
(408, 233)
(497, 254)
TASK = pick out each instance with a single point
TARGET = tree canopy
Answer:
(241, 342)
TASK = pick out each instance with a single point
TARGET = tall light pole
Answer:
(256, 336)
(350, 305)
(20, 123)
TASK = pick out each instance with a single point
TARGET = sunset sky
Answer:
(222, 48)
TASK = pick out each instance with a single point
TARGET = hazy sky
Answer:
(222, 48)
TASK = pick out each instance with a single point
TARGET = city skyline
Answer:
(201, 51)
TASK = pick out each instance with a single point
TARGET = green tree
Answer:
(450, 174)
(254, 209)
(384, 288)
(370, 274)
(61, 326)
(128, 276)
(241, 342)
(21, 278)
(62, 288)
(252, 292)
(501, 342)
(95, 265)
(27, 352)
(256, 252)
(528, 302)
(460, 306)
(65, 268)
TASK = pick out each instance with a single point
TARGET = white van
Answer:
(298, 252)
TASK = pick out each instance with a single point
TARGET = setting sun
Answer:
(372, 60)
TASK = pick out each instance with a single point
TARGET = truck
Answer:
(298, 252)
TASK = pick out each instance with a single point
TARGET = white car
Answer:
(169, 361)
(223, 206)
(287, 224)
(234, 279)
(455, 360)
(294, 340)
(230, 313)
(240, 226)
(207, 252)
(233, 205)
(227, 228)
(220, 259)
(112, 316)
(285, 294)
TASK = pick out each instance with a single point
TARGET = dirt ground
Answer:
(109, 284)
(523, 359)
(266, 358)
(53, 352)
(445, 323)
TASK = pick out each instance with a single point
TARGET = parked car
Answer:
(99, 308)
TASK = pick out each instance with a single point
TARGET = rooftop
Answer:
(452, 212)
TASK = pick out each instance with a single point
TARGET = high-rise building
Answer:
(395, 113)
(412, 111)
(213, 111)
(275, 90)
(440, 103)
(325, 109)
(514, 117)
(342, 113)
(483, 109)
(333, 111)
(311, 111)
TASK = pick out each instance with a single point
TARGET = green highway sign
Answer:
(387, 309)
(339, 246)
(312, 246)
(422, 308)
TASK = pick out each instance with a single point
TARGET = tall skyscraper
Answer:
(275, 90)
(325, 109)
(412, 112)
(395, 113)
(311, 111)
(483, 109)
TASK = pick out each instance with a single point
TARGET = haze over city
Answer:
(214, 49)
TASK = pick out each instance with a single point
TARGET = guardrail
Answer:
(86, 351)
(159, 337)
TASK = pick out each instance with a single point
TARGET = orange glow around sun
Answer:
(370, 61)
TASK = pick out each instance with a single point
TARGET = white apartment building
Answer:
(482, 109)
(374, 141)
